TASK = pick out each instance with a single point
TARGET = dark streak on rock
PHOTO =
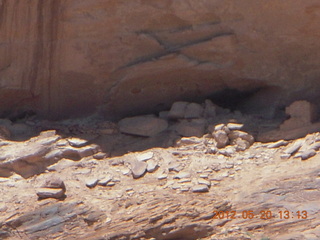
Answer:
(172, 49)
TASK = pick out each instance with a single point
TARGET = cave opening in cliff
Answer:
(232, 98)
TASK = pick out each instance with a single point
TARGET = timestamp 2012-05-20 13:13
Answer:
(263, 214)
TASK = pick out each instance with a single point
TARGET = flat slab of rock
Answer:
(294, 148)
(57, 193)
(77, 142)
(146, 126)
(235, 126)
(144, 156)
(278, 144)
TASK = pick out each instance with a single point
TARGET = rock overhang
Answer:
(139, 57)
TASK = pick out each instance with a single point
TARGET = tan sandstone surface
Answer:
(63, 58)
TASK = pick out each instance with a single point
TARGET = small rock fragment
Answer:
(184, 180)
(54, 182)
(285, 156)
(228, 151)
(162, 176)
(204, 175)
(315, 146)
(203, 181)
(174, 166)
(138, 169)
(278, 144)
(110, 184)
(182, 175)
(211, 150)
(91, 182)
(125, 171)
(294, 148)
(220, 127)
(188, 141)
(88, 150)
(100, 155)
(152, 166)
(308, 154)
(104, 181)
(201, 188)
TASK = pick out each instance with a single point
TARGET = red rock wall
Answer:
(65, 58)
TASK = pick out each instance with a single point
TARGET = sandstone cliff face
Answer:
(63, 58)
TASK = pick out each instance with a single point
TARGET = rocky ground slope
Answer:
(196, 171)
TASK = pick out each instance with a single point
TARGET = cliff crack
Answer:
(170, 49)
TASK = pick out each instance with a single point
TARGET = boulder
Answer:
(145, 126)
(193, 110)
(241, 144)
(178, 110)
(221, 138)
(191, 128)
(302, 113)
(4, 133)
(209, 109)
